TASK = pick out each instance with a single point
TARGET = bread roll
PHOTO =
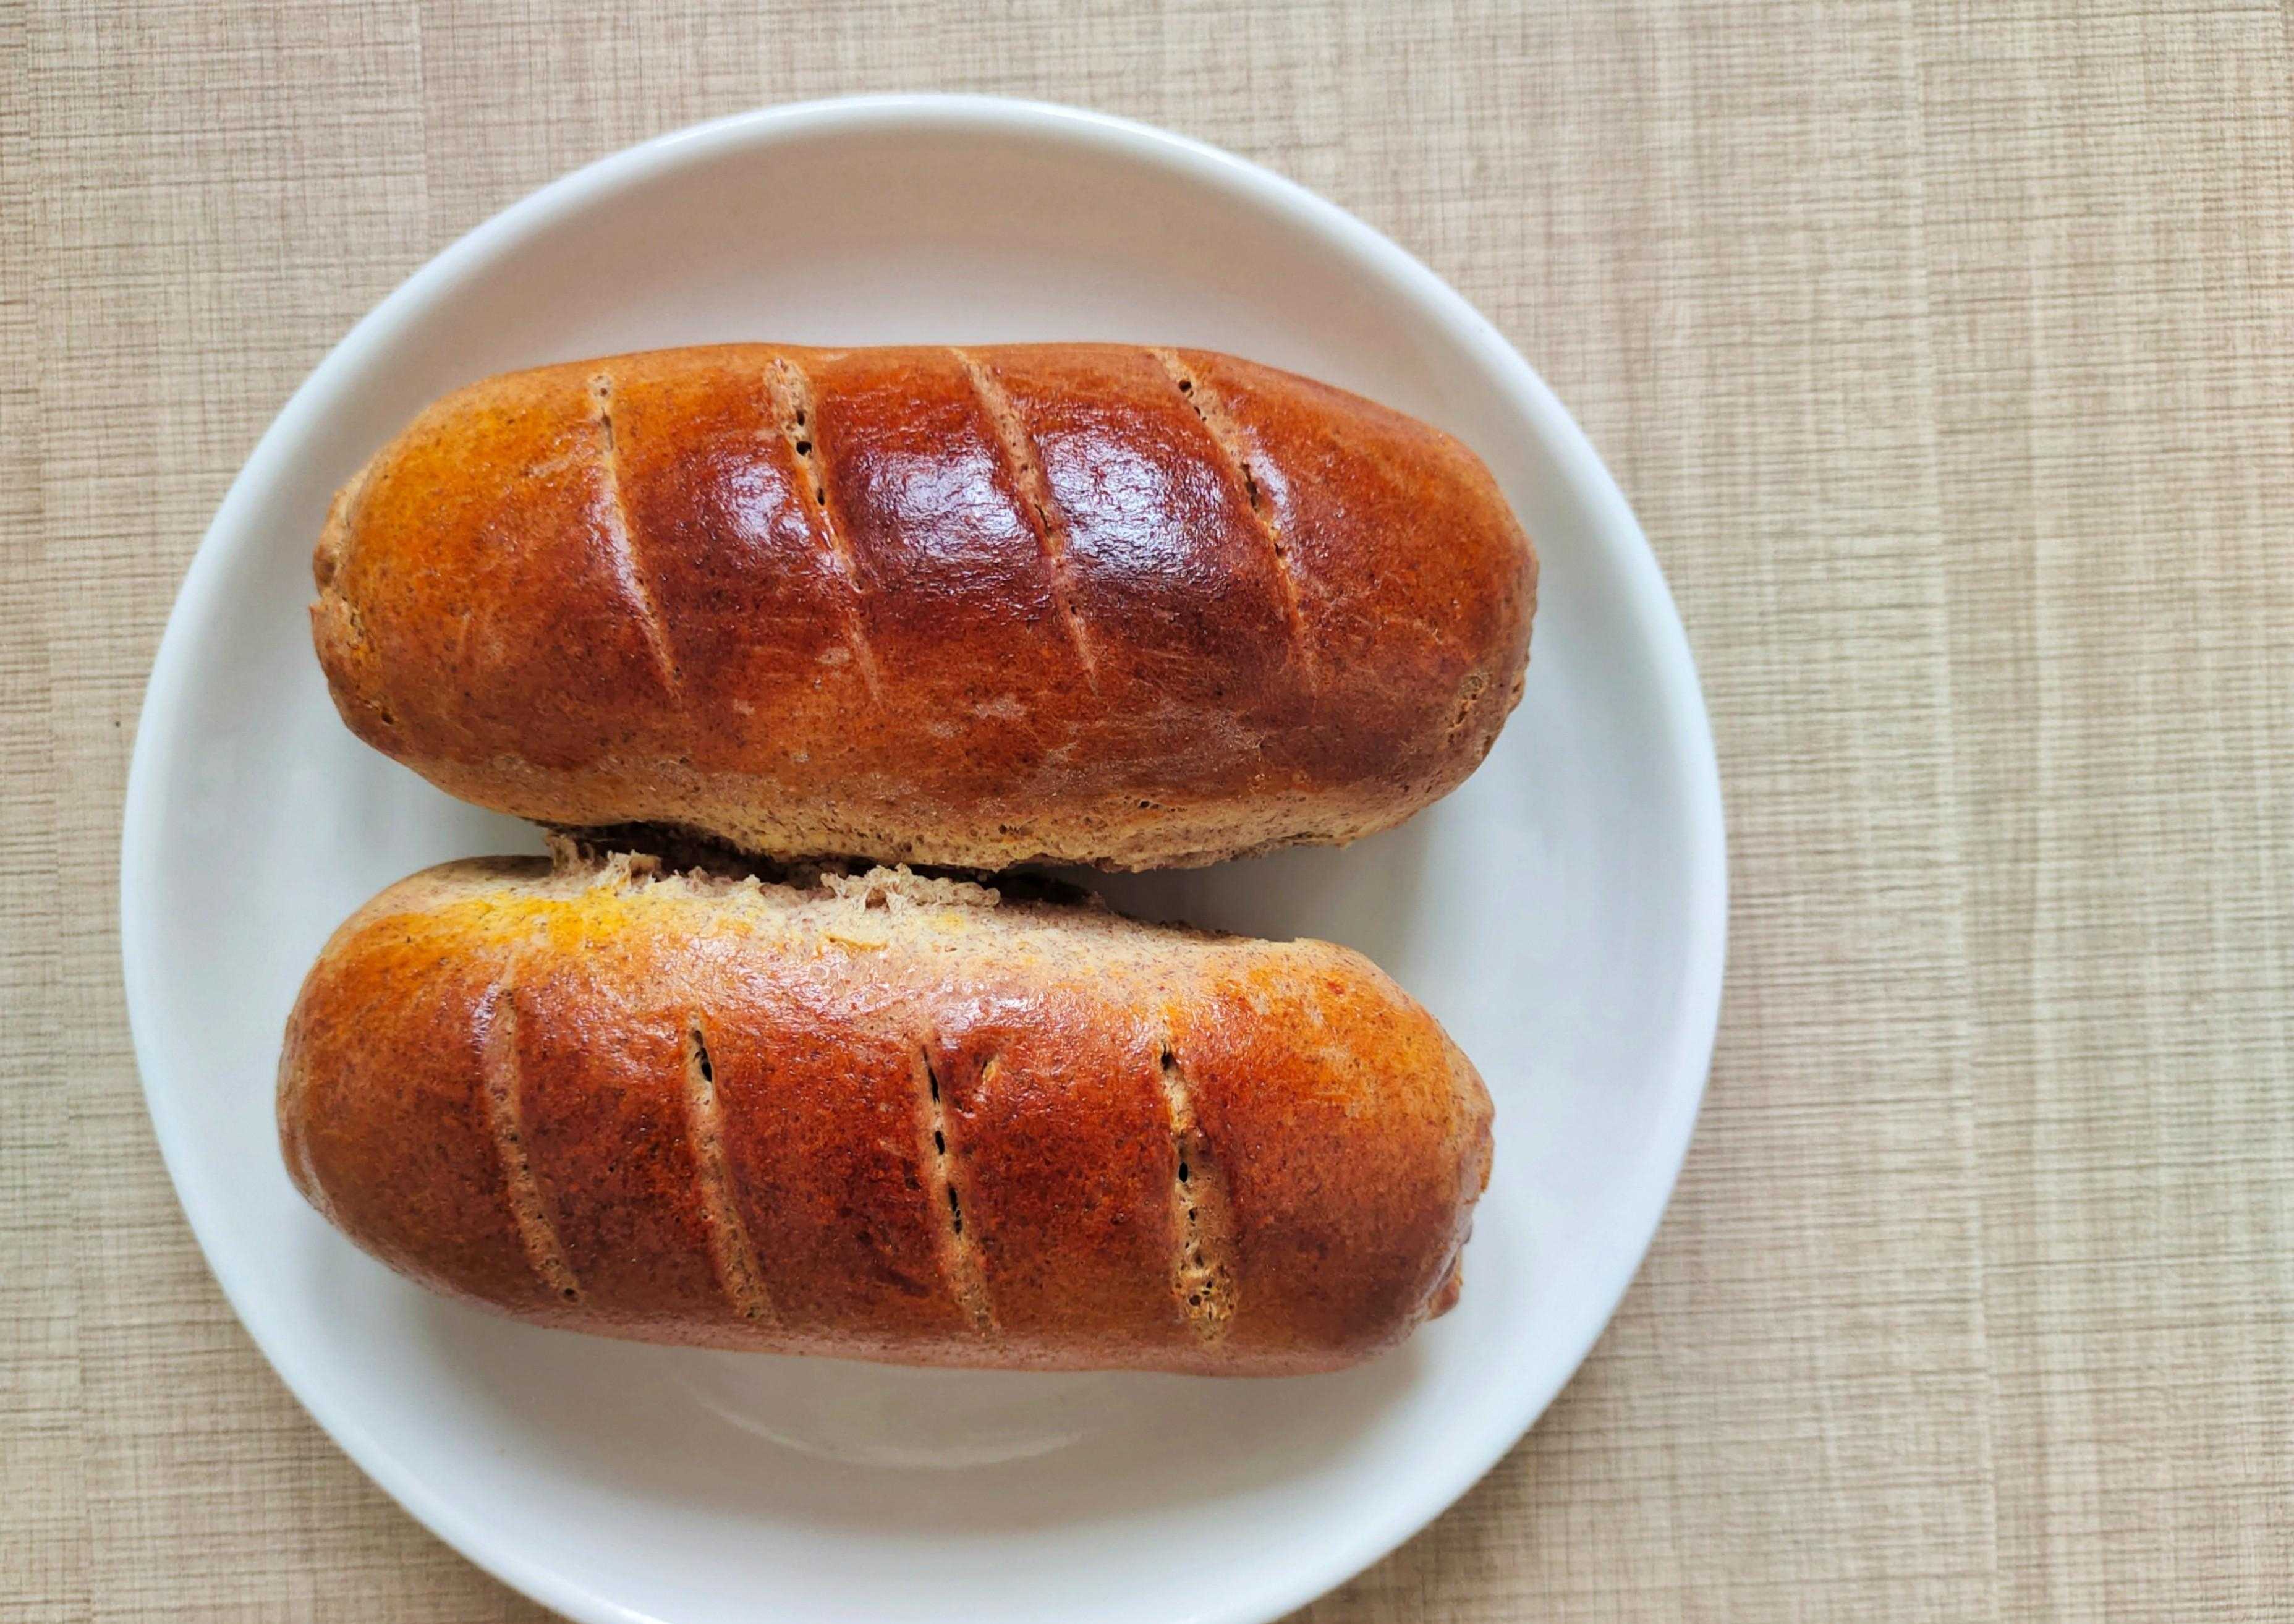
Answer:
(1065, 603)
(884, 1117)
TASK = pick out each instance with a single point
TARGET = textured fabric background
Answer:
(1947, 352)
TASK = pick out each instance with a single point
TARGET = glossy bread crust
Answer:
(884, 1118)
(1075, 603)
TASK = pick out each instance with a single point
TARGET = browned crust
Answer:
(492, 1081)
(1080, 603)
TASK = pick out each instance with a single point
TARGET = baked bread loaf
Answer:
(1065, 603)
(881, 1117)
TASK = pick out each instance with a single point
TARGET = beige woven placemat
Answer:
(1947, 352)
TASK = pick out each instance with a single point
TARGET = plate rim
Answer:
(159, 723)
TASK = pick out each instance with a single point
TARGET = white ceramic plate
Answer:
(1562, 913)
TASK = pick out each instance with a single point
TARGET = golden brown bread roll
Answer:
(1069, 603)
(884, 1118)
